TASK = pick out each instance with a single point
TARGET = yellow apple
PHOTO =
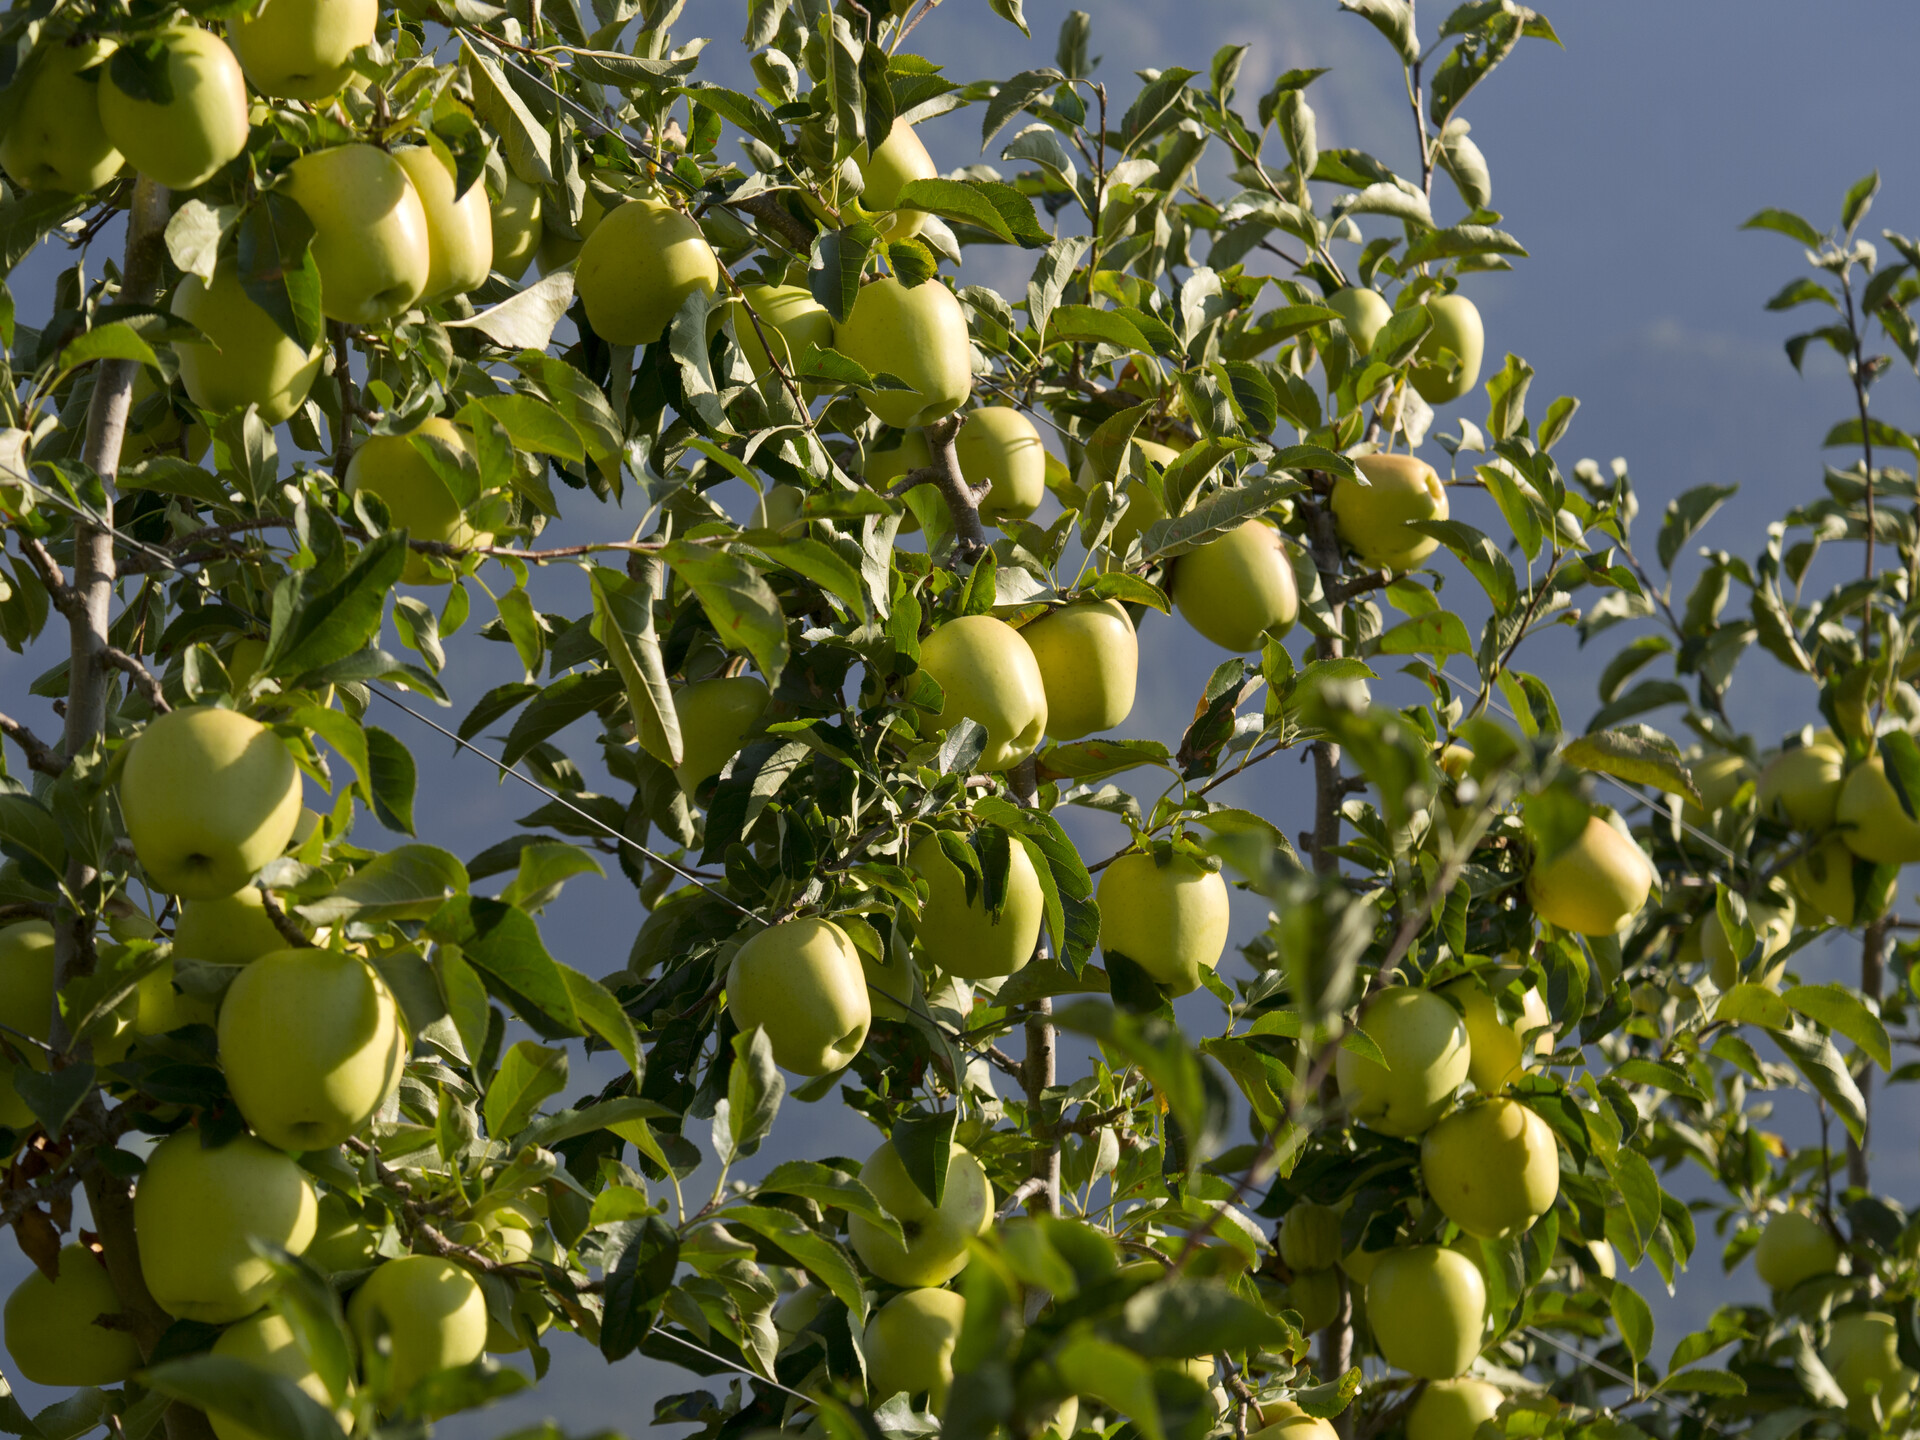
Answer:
(1142, 508)
(429, 1310)
(26, 1005)
(1089, 659)
(370, 239)
(266, 1342)
(1772, 916)
(1310, 1237)
(195, 1211)
(1871, 819)
(1863, 1356)
(999, 448)
(936, 1236)
(1495, 1043)
(958, 936)
(909, 1346)
(1372, 518)
(1287, 1421)
(226, 930)
(1363, 312)
(1823, 881)
(885, 467)
(1794, 1247)
(1453, 1409)
(1493, 1167)
(1358, 1264)
(990, 677)
(162, 1008)
(208, 796)
(637, 268)
(900, 159)
(55, 140)
(417, 499)
(342, 1240)
(716, 716)
(183, 142)
(1238, 588)
(802, 982)
(918, 336)
(1457, 328)
(1427, 1053)
(556, 249)
(246, 358)
(459, 231)
(791, 319)
(1170, 920)
(1718, 778)
(1427, 1306)
(517, 230)
(1802, 786)
(303, 49)
(1593, 886)
(51, 1333)
(1315, 1296)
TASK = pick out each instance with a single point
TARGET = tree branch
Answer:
(283, 922)
(963, 501)
(40, 755)
(132, 668)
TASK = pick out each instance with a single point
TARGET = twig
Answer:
(1033, 1185)
(40, 755)
(282, 921)
(63, 596)
(141, 676)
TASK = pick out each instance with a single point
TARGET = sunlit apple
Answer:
(1593, 886)
(1169, 919)
(1427, 1306)
(342, 1239)
(246, 359)
(888, 169)
(1496, 1043)
(1427, 1053)
(638, 267)
(909, 1346)
(1863, 1356)
(50, 1327)
(716, 716)
(429, 1311)
(1801, 786)
(459, 228)
(791, 321)
(1457, 330)
(802, 982)
(517, 230)
(181, 142)
(1089, 659)
(1364, 312)
(961, 937)
(417, 499)
(1718, 778)
(265, 1340)
(916, 335)
(226, 930)
(998, 447)
(1238, 589)
(1373, 517)
(370, 239)
(303, 49)
(1287, 1421)
(1492, 1167)
(1871, 818)
(55, 140)
(1794, 1247)
(990, 677)
(1453, 1409)
(936, 1236)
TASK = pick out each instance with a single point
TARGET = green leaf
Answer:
(528, 1074)
(31, 836)
(925, 1146)
(1841, 1009)
(410, 882)
(277, 269)
(525, 321)
(1633, 1318)
(640, 1259)
(825, 1259)
(1901, 758)
(1393, 19)
(263, 1402)
(838, 259)
(1439, 633)
(503, 944)
(600, 1013)
(1661, 1074)
(531, 423)
(1086, 325)
(821, 564)
(391, 779)
(1815, 1056)
(116, 340)
(1639, 756)
(834, 1189)
(315, 628)
(54, 1096)
(1482, 558)
(623, 620)
(741, 606)
(1113, 1375)
(1746, 1004)
(1175, 1320)
(1000, 210)
(1703, 1382)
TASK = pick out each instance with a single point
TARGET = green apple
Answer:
(1495, 1043)
(246, 358)
(797, 1311)
(182, 142)
(1595, 885)
(556, 249)
(1089, 659)
(637, 268)
(1772, 915)
(909, 1346)
(1169, 919)
(517, 230)
(1453, 1409)
(1373, 518)
(958, 936)
(226, 930)
(1871, 819)
(936, 1236)
(208, 796)
(1310, 1237)
(1142, 508)
(162, 1008)
(417, 499)
(266, 1341)
(303, 49)
(1863, 1356)
(999, 448)
(428, 1310)
(155, 426)
(1794, 1247)
(989, 676)
(1315, 1296)
(1364, 312)
(900, 159)
(1802, 786)
(370, 239)
(781, 506)
(1287, 1421)
(1823, 882)
(791, 319)
(1427, 1052)
(342, 1240)
(55, 140)
(1358, 1264)
(311, 1041)
(1718, 778)
(195, 1213)
(1456, 328)
(918, 336)
(884, 467)
(1427, 1306)
(49, 1324)
(1492, 1167)
(1238, 588)
(459, 230)
(716, 717)
(802, 982)
(26, 1005)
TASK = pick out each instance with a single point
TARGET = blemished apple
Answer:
(50, 1327)
(1238, 589)
(208, 796)
(265, 1340)
(1453, 1409)
(55, 140)
(1427, 1306)
(1794, 1247)
(459, 229)
(517, 229)
(195, 1211)
(1802, 786)
(1364, 312)
(958, 936)
(998, 447)
(430, 1311)
(1169, 919)
(792, 321)
(909, 1346)
(990, 677)
(936, 1236)
(716, 716)
(1310, 1237)
(226, 930)
(1593, 886)
(1287, 1421)
(342, 1240)
(417, 500)
(638, 267)
(183, 142)
(302, 49)
(26, 1005)
(1871, 819)
(370, 241)
(1456, 328)
(1496, 1043)
(1427, 1053)
(1493, 1167)
(312, 1042)
(1372, 518)
(1863, 1356)
(899, 159)
(246, 358)
(802, 982)
(918, 336)
(1089, 659)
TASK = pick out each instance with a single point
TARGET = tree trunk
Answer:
(1873, 968)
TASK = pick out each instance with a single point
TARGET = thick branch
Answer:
(1041, 1069)
(131, 667)
(963, 501)
(1873, 970)
(40, 755)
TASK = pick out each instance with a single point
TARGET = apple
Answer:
(885, 467)
(999, 448)
(226, 930)
(1427, 1306)
(1794, 1247)
(900, 159)
(459, 230)
(1363, 312)
(918, 336)
(1142, 508)
(990, 677)
(1772, 916)
(1358, 1264)
(266, 1341)
(781, 506)
(1089, 659)
(797, 1311)
(246, 358)
(342, 1240)
(183, 142)
(49, 1325)
(1823, 881)
(1310, 1237)
(155, 426)
(936, 1236)
(802, 982)
(1595, 885)
(1453, 1409)
(1372, 518)
(55, 140)
(1718, 778)
(1169, 919)
(909, 1346)
(1496, 1044)
(430, 1312)
(417, 499)
(1802, 786)
(311, 1041)
(208, 797)
(1287, 1421)
(1315, 1295)
(517, 230)
(26, 1005)
(956, 935)
(716, 716)
(303, 49)
(792, 320)
(1871, 819)
(161, 1008)
(1456, 327)
(1863, 1356)
(557, 250)
(370, 239)
(1238, 588)
(195, 1211)
(1427, 1053)
(1493, 1167)
(638, 266)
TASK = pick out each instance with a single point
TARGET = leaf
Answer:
(925, 1146)
(1661, 1074)
(1745, 1004)
(54, 1096)
(528, 1074)
(1900, 757)
(1393, 19)
(1639, 756)
(834, 269)
(315, 629)
(1839, 1008)
(1481, 557)
(1113, 1375)
(834, 1189)
(741, 606)
(821, 564)
(640, 1260)
(410, 882)
(823, 1258)
(1011, 97)
(523, 139)
(1196, 1316)
(277, 269)
(623, 615)
(249, 1395)
(1085, 325)
(1439, 633)
(503, 944)
(1815, 1057)
(754, 1092)
(1633, 1319)
(391, 780)
(1000, 210)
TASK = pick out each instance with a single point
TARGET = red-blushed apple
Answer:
(1457, 332)
(802, 982)
(303, 49)
(1427, 1306)
(246, 358)
(50, 1327)
(1594, 885)
(916, 335)
(936, 1236)
(1427, 1053)
(54, 140)
(1089, 659)
(181, 142)
(1372, 518)
(459, 228)
(1493, 1167)
(989, 676)
(998, 447)
(1238, 589)
(909, 1346)
(961, 937)
(638, 267)
(426, 1312)
(370, 240)
(1168, 918)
